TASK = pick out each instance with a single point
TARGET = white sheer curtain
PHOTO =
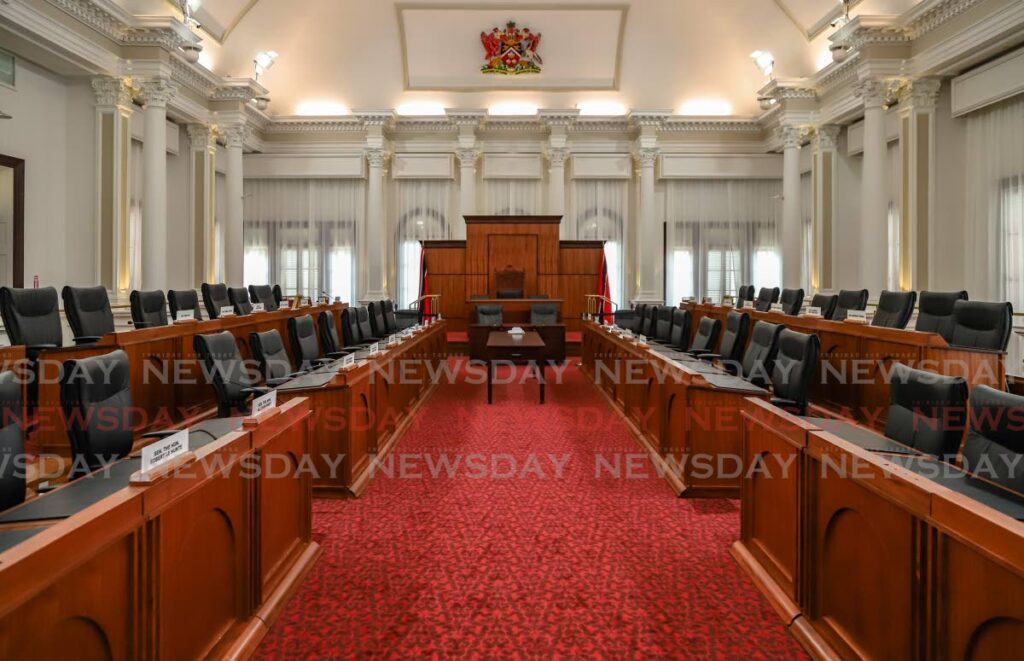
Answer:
(513, 197)
(425, 211)
(301, 234)
(994, 222)
(894, 219)
(135, 192)
(721, 234)
(807, 216)
(600, 207)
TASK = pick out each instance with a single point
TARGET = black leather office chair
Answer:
(365, 328)
(278, 295)
(149, 308)
(662, 331)
(894, 309)
(734, 342)
(264, 294)
(215, 297)
(979, 325)
(306, 345)
(12, 441)
(489, 315)
(765, 298)
(935, 312)
(88, 312)
(232, 381)
(96, 396)
(649, 321)
(995, 438)
(543, 314)
(350, 330)
(826, 303)
(390, 318)
(239, 297)
(31, 318)
(796, 363)
(268, 349)
(375, 310)
(927, 411)
(746, 293)
(332, 344)
(639, 314)
(850, 300)
(679, 337)
(792, 300)
(509, 293)
(759, 358)
(706, 337)
(184, 299)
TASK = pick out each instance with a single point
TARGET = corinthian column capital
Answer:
(113, 91)
(157, 92)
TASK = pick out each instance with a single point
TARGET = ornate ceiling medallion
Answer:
(512, 51)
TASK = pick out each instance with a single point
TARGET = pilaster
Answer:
(917, 173)
(113, 137)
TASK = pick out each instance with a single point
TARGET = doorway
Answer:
(12, 221)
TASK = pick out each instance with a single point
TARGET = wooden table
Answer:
(504, 347)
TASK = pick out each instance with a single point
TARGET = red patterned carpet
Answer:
(510, 558)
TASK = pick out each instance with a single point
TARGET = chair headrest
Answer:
(270, 341)
(87, 299)
(939, 303)
(32, 302)
(998, 416)
(149, 301)
(97, 378)
(853, 299)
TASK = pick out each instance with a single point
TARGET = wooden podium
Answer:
(562, 270)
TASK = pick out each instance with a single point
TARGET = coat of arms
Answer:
(511, 51)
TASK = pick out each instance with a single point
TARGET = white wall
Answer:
(846, 253)
(178, 173)
(949, 268)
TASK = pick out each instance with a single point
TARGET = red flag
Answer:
(604, 289)
(425, 310)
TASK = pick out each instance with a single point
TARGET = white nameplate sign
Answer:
(747, 304)
(164, 450)
(776, 307)
(264, 402)
(259, 307)
(348, 362)
(813, 312)
(374, 348)
(858, 316)
(642, 340)
(186, 315)
(227, 311)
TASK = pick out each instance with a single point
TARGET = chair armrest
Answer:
(40, 347)
(87, 339)
(273, 383)
(335, 355)
(143, 324)
(256, 390)
(163, 433)
(709, 356)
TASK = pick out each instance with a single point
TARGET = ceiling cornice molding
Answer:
(782, 89)
(711, 125)
(347, 124)
(595, 124)
(111, 21)
(868, 30)
(242, 90)
(930, 14)
(426, 124)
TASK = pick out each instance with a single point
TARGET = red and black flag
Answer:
(425, 311)
(605, 290)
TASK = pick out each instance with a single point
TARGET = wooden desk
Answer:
(360, 413)
(856, 360)
(680, 410)
(503, 347)
(515, 311)
(868, 554)
(553, 336)
(193, 563)
(168, 382)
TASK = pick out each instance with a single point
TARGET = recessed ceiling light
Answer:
(512, 109)
(706, 107)
(601, 108)
(319, 108)
(420, 109)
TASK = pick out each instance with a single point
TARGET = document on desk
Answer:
(730, 382)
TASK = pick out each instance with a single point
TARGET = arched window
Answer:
(423, 213)
(600, 208)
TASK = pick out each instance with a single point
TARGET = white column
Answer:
(792, 224)
(917, 145)
(467, 185)
(874, 196)
(155, 95)
(650, 251)
(556, 183)
(234, 137)
(376, 241)
(202, 197)
(823, 166)
(113, 129)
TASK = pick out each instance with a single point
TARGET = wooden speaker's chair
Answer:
(509, 282)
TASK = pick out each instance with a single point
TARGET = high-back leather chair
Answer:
(365, 329)
(826, 303)
(927, 411)
(184, 299)
(796, 363)
(350, 331)
(215, 297)
(894, 309)
(278, 295)
(759, 358)
(232, 382)
(329, 335)
(746, 293)
(980, 325)
(509, 282)
(96, 396)
(377, 324)
(639, 314)
(268, 350)
(706, 337)
(265, 295)
(489, 315)
(663, 324)
(765, 298)
(935, 312)
(734, 341)
(12, 441)
(680, 336)
(543, 314)
(792, 300)
(149, 308)
(305, 344)
(856, 299)
(31, 318)
(390, 318)
(88, 312)
(995, 438)
(239, 297)
(650, 316)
